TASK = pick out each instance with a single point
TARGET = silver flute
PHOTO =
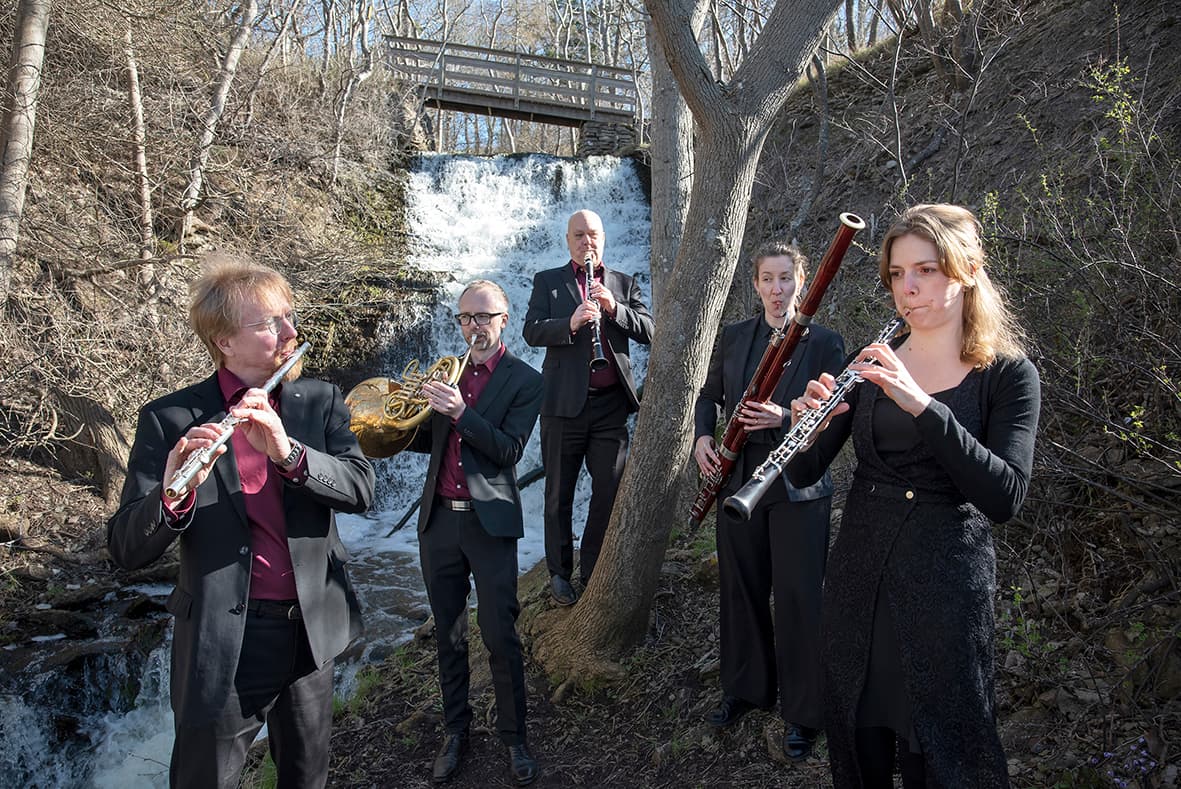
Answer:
(742, 503)
(197, 461)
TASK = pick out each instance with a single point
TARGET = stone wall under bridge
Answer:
(596, 138)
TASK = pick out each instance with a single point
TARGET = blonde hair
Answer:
(217, 296)
(782, 249)
(988, 325)
(487, 284)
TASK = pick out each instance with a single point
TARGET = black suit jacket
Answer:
(567, 358)
(211, 594)
(493, 435)
(820, 350)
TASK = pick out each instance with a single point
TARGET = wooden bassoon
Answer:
(771, 367)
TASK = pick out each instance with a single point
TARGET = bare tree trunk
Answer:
(24, 87)
(358, 38)
(672, 162)
(217, 106)
(892, 95)
(276, 45)
(875, 18)
(98, 450)
(329, 14)
(850, 26)
(733, 120)
(147, 241)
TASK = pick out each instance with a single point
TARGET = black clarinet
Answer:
(598, 360)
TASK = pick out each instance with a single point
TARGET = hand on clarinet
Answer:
(587, 312)
(602, 295)
(760, 416)
(705, 452)
(815, 394)
(196, 439)
(891, 375)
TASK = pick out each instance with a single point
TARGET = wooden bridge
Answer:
(513, 85)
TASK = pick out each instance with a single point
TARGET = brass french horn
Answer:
(385, 413)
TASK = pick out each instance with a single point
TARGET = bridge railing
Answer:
(594, 91)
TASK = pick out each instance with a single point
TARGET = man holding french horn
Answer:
(585, 316)
(470, 521)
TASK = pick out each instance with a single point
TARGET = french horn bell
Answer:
(385, 412)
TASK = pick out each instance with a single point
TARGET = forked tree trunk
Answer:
(24, 87)
(732, 121)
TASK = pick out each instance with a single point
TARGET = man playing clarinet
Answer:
(584, 413)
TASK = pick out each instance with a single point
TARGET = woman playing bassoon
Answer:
(782, 547)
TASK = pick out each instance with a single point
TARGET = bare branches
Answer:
(217, 105)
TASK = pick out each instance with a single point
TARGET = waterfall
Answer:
(500, 218)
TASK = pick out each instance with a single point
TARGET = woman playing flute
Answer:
(782, 547)
(944, 445)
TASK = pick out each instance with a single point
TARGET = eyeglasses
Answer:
(481, 318)
(274, 323)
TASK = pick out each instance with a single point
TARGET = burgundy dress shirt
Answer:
(452, 482)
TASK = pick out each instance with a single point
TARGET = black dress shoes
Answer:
(522, 765)
(728, 712)
(561, 590)
(798, 741)
(449, 757)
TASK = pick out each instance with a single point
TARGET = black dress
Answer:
(916, 537)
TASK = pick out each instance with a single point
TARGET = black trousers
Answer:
(278, 683)
(454, 548)
(781, 550)
(598, 436)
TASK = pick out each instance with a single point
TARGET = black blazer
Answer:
(820, 350)
(567, 358)
(494, 433)
(209, 601)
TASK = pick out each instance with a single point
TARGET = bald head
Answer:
(584, 235)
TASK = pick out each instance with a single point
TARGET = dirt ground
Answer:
(645, 731)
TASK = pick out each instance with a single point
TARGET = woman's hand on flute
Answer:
(706, 454)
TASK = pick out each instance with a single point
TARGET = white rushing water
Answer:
(501, 218)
